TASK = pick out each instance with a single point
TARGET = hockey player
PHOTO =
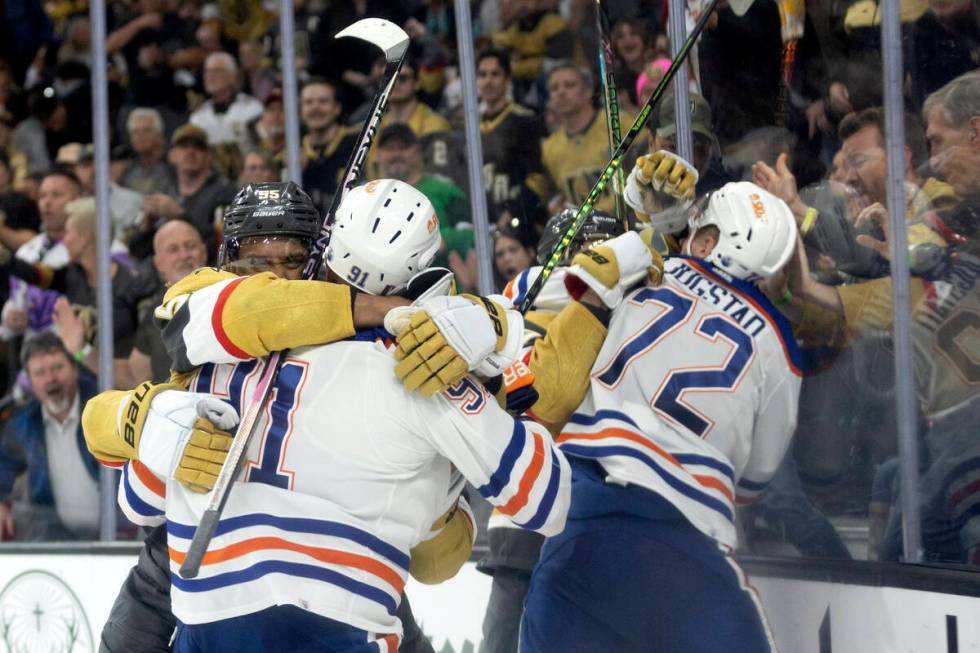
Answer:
(296, 313)
(362, 275)
(691, 403)
(307, 560)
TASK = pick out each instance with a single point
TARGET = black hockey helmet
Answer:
(269, 209)
(597, 227)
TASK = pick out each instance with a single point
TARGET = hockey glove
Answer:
(451, 336)
(658, 182)
(185, 437)
(612, 268)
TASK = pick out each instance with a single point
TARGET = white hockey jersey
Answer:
(553, 296)
(345, 475)
(694, 394)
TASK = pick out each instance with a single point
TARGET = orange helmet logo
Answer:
(433, 222)
(372, 186)
(758, 207)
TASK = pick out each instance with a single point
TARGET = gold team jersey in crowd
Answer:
(945, 328)
(575, 161)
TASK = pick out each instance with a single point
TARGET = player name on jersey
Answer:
(732, 304)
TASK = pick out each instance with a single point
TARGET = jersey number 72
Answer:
(668, 400)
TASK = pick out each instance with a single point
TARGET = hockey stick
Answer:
(610, 101)
(393, 41)
(614, 163)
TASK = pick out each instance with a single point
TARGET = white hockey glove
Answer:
(450, 336)
(613, 267)
(185, 437)
(658, 182)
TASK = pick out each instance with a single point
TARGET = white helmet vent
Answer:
(380, 255)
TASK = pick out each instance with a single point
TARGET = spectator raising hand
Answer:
(780, 182)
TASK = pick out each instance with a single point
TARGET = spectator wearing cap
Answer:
(44, 440)
(400, 157)
(149, 172)
(125, 205)
(327, 143)
(202, 193)
(29, 307)
(663, 136)
(268, 131)
(226, 114)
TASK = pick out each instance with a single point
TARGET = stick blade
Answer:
(381, 33)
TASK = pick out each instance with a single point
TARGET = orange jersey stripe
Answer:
(149, 479)
(332, 556)
(704, 481)
(519, 500)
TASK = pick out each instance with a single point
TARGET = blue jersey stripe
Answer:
(589, 420)
(500, 478)
(675, 483)
(548, 500)
(265, 567)
(300, 525)
(135, 502)
(705, 461)
(751, 486)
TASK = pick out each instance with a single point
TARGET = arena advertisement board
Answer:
(58, 602)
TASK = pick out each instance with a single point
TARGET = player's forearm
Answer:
(562, 360)
(370, 310)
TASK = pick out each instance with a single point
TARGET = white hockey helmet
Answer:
(386, 231)
(757, 231)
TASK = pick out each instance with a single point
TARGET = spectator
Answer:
(510, 134)
(19, 219)
(268, 131)
(432, 129)
(177, 251)
(259, 168)
(44, 439)
(227, 112)
(125, 205)
(632, 48)
(16, 160)
(862, 137)
(202, 193)
(259, 79)
(575, 154)
(536, 34)
(327, 144)
(513, 252)
(77, 45)
(146, 41)
(150, 172)
(29, 308)
(663, 136)
(77, 281)
(952, 117)
(36, 135)
(400, 157)
(942, 44)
